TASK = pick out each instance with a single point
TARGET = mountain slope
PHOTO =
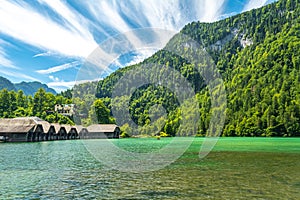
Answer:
(5, 83)
(257, 53)
(29, 88)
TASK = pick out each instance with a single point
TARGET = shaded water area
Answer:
(237, 168)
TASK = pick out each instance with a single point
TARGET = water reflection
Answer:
(65, 170)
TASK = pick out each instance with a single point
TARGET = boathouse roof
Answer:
(102, 128)
(17, 125)
(80, 128)
(58, 127)
(46, 125)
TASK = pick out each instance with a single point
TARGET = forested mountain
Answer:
(5, 83)
(80, 90)
(29, 88)
(257, 54)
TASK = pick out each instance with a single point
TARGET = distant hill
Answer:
(5, 83)
(29, 88)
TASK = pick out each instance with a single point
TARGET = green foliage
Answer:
(80, 90)
(163, 134)
(16, 104)
(257, 53)
(100, 113)
(125, 131)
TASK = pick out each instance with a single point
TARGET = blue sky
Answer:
(49, 40)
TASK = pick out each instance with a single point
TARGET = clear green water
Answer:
(237, 168)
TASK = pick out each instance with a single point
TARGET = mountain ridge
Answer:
(29, 88)
(259, 64)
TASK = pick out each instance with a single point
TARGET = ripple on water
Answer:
(66, 170)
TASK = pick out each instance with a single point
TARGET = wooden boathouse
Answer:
(34, 129)
(82, 132)
(20, 130)
(108, 131)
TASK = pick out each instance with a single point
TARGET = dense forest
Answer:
(17, 104)
(257, 54)
(42, 104)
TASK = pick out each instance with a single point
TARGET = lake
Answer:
(237, 168)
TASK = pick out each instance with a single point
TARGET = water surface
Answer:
(237, 168)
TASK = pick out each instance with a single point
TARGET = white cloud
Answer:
(141, 56)
(48, 53)
(63, 85)
(73, 35)
(154, 13)
(59, 68)
(73, 38)
(4, 60)
(210, 10)
(17, 75)
(254, 4)
(8, 68)
(53, 78)
(137, 59)
(28, 25)
(108, 14)
(75, 21)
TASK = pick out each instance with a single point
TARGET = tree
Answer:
(5, 103)
(39, 102)
(21, 99)
(102, 113)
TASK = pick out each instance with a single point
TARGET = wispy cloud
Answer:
(53, 78)
(4, 60)
(24, 23)
(172, 14)
(63, 85)
(59, 68)
(106, 13)
(58, 29)
(254, 4)
(136, 58)
(142, 55)
(48, 53)
(211, 10)
(8, 67)
(17, 75)
(73, 19)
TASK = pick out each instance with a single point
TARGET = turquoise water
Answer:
(237, 168)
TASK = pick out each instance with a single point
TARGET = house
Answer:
(65, 109)
(98, 131)
(25, 129)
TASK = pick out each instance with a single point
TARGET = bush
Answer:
(163, 134)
